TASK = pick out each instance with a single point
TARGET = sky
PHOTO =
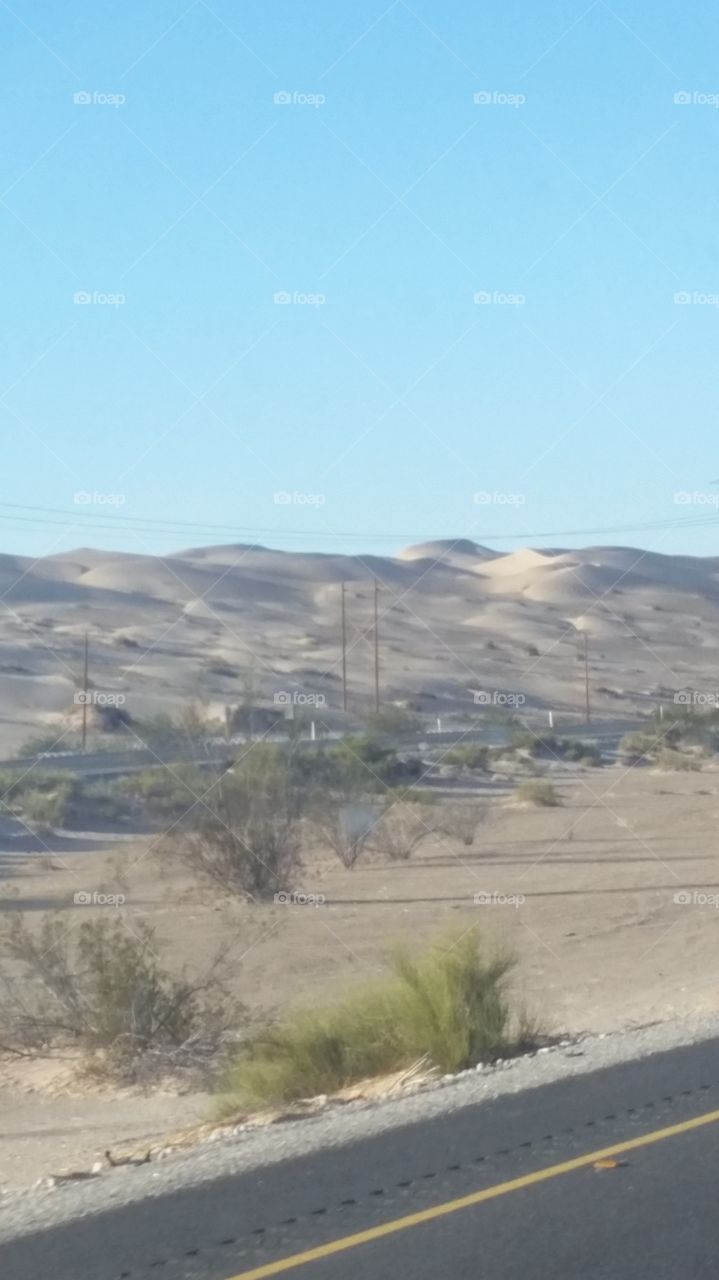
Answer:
(345, 277)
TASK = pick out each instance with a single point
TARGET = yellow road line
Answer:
(466, 1202)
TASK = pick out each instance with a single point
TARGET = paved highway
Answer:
(507, 1190)
(98, 764)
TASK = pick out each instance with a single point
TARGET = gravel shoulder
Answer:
(230, 1151)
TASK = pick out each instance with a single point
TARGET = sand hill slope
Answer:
(206, 623)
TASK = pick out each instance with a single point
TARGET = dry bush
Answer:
(253, 854)
(400, 830)
(459, 821)
(667, 758)
(103, 987)
(244, 836)
(346, 826)
(543, 794)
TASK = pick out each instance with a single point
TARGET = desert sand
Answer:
(208, 624)
(585, 894)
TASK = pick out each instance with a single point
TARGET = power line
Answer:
(151, 525)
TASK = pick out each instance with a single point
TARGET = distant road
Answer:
(105, 763)
(504, 1191)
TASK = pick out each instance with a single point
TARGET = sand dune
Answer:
(199, 624)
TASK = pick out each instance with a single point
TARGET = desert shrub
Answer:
(49, 807)
(687, 725)
(52, 740)
(575, 750)
(548, 744)
(524, 740)
(641, 746)
(157, 731)
(346, 825)
(377, 765)
(468, 756)
(447, 1005)
(400, 830)
(677, 760)
(244, 836)
(356, 766)
(460, 820)
(162, 794)
(103, 987)
(537, 792)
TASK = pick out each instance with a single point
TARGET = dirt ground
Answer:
(584, 893)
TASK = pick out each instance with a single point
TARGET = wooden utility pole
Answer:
(84, 692)
(344, 651)
(376, 647)
(586, 677)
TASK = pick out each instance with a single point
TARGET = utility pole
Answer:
(586, 677)
(376, 647)
(344, 651)
(84, 698)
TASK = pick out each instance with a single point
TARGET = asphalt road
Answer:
(507, 1191)
(96, 764)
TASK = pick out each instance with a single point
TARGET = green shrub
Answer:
(469, 756)
(51, 740)
(641, 746)
(539, 793)
(48, 807)
(574, 749)
(448, 1005)
(161, 794)
(677, 760)
(524, 740)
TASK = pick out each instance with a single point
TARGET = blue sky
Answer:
(382, 198)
